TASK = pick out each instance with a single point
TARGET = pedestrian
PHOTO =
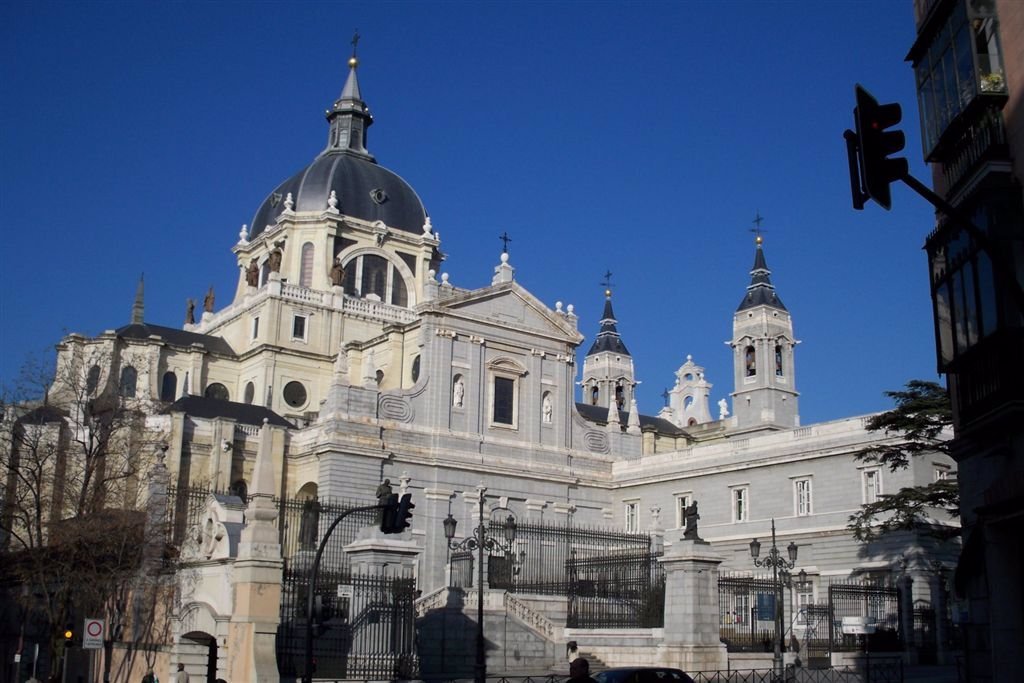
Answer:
(150, 677)
(181, 676)
(579, 671)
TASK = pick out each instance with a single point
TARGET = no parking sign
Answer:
(92, 634)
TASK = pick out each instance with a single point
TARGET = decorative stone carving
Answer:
(332, 202)
(288, 202)
(596, 442)
(243, 234)
(395, 408)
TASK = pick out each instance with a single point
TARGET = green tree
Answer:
(920, 424)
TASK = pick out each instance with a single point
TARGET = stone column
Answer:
(691, 641)
(434, 572)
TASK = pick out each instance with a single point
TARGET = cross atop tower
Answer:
(606, 282)
(757, 229)
(505, 239)
(355, 42)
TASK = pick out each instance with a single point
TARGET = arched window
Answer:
(750, 360)
(687, 402)
(414, 373)
(375, 276)
(217, 391)
(778, 360)
(265, 273)
(306, 268)
(169, 386)
(129, 379)
(92, 380)
(250, 392)
(620, 399)
(594, 393)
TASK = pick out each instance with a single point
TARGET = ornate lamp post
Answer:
(480, 541)
(777, 563)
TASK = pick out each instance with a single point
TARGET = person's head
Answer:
(579, 668)
(181, 667)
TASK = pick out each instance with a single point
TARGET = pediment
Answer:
(513, 306)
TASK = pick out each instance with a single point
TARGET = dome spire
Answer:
(139, 306)
(349, 117)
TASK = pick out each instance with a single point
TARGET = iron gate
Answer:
(746, 613)
(616, 591)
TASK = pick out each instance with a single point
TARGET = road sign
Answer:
(92, 634)
(346, 590)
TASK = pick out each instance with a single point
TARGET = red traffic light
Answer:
(875, 144)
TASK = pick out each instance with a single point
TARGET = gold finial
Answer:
(757, 229)
(608, 293)
(353, 61)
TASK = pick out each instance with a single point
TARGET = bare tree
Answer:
(74, 528)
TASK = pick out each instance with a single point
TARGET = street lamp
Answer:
(480, 541)
(778, 563)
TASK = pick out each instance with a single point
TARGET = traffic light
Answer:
(389, 514)
(69, 636)
(404, 515)
(875, 144)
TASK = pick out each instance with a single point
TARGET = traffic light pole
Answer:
(307, 677)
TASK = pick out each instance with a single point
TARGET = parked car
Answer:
(641, 674)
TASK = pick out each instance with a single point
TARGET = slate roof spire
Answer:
(608, 338)
(760, 291)
(349, 117)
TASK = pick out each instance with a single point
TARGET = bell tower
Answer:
(762, 343)
(608, 367)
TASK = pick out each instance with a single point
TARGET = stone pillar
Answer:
(434, 572)
(941, 620)
(691, 641)
(907, 619)
(256, 579)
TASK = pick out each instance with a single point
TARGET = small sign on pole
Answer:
(858, 626)
(92, 634)
(346, 590)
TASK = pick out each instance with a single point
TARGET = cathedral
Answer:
(348, 357)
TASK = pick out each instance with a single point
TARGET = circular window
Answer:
(415, 369)
(250, 392)
(217, 391)
(295, 394)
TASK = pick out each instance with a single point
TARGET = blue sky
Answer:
(639, 137)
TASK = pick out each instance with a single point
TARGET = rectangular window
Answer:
(872, 485)
(255, 328)
(299, 327)
(632, 523)
(804, 597)
(504, 401)
(740, 505)
(682, 502)
(802, 497)
(941, 473)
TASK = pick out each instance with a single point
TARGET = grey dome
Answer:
(357, 182)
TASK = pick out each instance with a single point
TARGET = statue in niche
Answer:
(208, 300)
(458, 393)
(252, 274)
(190, 311)
(337, 273)
(547, 409)
(309, 524)
(691, 515)
(275, 261)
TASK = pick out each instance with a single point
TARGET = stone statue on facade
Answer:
(723, 409)
(275, 261)
(208, 300)
(691, 516)
(190, 311)
(458, 393)
(309, 524)
(252, 274)
(547, 409)
(383, 493)
(337, 273)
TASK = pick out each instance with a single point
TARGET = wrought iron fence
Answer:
(185, 508)
(616, 591)
(864, 599)
(544, 552)
(462, 569)
(746, 612)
